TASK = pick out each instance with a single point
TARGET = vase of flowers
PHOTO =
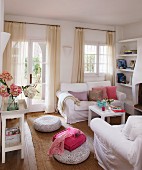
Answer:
(109, 101)
(12, 103)
(13, 91)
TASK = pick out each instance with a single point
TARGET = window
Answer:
(95, 58)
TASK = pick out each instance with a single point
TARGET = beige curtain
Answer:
(53, 67)
(78, 59)
(110, 75)
(15, 52)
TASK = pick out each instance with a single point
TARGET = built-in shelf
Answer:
(127, 55)
(127, 85)
(138, 107)
(127, 70)
(128, 40)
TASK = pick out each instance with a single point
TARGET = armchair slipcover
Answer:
(113, 150)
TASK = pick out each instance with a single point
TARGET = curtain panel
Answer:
(78, 59)
(15, 51)
(53, 67)
(110, 40)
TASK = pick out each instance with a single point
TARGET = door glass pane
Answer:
(20, 62)
(39, 70)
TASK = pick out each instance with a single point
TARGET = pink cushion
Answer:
(95, 95)
(72, 142)
(103, 89)
(82, 96)
(111, 92)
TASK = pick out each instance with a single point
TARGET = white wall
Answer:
(1, 29)
(67, 39)
(133, 30)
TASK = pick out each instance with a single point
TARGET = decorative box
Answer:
(101, 103)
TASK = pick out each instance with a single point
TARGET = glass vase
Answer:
(12, 103)
(108, 106)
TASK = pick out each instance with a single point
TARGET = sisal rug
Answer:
(42, 142)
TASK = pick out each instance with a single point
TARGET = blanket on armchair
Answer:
(63, 97)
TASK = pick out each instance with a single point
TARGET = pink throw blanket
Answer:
(57, 146)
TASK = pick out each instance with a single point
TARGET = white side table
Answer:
(11, 115)
(104, 114)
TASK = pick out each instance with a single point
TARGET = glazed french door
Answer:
(35, 70)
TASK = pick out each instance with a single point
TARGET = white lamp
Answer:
(4, 40)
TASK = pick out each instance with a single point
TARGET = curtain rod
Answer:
(32, 23)
(96, 29)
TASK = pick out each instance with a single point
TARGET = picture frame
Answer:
(132, 64)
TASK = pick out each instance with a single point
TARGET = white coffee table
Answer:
(104, 114)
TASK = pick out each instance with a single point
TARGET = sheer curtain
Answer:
(15, 52)
(110, 75)
(78, 59)
(53, 67)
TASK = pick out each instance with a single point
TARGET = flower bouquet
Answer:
(13, 90)
(109, 101)
(29, 91)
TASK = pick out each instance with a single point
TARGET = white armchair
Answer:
(113, 150)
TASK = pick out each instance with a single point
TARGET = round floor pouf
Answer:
(47, 123)
(76, 156)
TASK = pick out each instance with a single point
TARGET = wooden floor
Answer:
(13, 159)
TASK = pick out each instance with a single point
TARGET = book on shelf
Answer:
(12, 131)
(12, 136)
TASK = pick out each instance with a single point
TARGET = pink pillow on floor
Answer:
(72, 142)
(111, 92)
(103, 89)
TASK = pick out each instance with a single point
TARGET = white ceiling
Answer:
(110, 12)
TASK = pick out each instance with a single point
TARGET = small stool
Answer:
(47, 123)
(76, 156)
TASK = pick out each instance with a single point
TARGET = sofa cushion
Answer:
(84, 105)
(95, 95)
(103, 89)
(82, 96)
(111, 92)
(133, 127)
(76, 87)
(91, 85)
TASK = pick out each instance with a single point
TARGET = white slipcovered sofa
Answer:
(75, 113)
(113, 148)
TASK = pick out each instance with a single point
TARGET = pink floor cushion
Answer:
(72, 142)
(76, 156)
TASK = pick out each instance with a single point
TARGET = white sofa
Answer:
(74, 113)
(113, 150)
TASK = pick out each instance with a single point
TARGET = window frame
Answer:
(97, 74)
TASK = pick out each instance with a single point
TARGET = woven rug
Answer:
(42, 142)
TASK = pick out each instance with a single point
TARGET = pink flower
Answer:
(15, 90)
(3, 91)
(6, 76)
